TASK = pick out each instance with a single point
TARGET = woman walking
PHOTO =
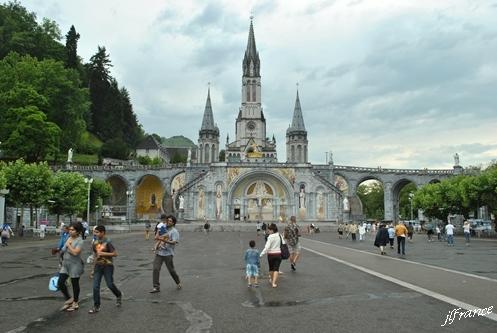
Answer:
(381, 239)
(272, 248)
(72, 266)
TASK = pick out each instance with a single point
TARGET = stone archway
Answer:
(396, 190)
(119, 186)
(116, 204)
(260, 195)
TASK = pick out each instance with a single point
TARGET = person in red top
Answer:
(401, 233)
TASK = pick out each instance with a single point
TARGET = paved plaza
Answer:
(339, 286)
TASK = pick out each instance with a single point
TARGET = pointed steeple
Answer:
(298, 119)
(208, 120)
(251, 62)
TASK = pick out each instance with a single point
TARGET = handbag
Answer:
(285, 252)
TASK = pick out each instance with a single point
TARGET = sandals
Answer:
(67, 304)
(73, 307)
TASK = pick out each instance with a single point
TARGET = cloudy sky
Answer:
(391, 83)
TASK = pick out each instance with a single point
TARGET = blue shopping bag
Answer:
(53, 282)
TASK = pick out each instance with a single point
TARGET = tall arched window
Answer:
(248, 91)
(299, 153)
(213, 154)
(292, 154)
(206, 152)
(254, 91)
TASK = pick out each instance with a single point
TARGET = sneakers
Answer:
(178, 286)
(155, 290)
(293, 266)
(119, 300)
(94, 309)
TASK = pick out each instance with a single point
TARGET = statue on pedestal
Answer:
(69, 155)
(456, 159)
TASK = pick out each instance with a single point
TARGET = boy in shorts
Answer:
(252, 264)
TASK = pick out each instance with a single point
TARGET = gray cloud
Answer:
(406, 87)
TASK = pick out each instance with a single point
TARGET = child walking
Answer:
(104, 251)
(252, 264)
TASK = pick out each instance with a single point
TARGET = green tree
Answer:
(115, 148)
(372, 199)
(47, 85)
(20, 32)
(32, 137)
(3, 179)
(72, 38)
(68, 194)
(29, 184)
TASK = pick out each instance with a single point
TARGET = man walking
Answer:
(165, 253)
(292, 234)
(401, 233)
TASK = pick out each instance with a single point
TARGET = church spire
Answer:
(298, 119)
(251, 63)
(208, 120)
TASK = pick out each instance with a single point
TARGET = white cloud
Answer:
(382, 82)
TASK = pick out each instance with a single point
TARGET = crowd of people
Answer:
(385, 234)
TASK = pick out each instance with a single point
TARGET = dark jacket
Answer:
(381, 237)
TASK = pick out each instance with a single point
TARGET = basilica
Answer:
(251, 184)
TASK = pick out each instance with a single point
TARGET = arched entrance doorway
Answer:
(149, 194)
(260, 196)
(115, 205)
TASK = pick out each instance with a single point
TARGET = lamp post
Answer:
(128, 214)
(411, 195)
(88, 181)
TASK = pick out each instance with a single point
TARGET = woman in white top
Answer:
(272, 248)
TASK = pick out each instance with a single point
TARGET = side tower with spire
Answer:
(208, 136)
(251, 143)
(296, 137)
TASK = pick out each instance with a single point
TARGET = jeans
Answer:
(467, 236)
(157, 266)
(450, 239)
(401, 244)
(107, 271)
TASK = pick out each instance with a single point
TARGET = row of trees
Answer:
(49, 98)
(463, 194)
(35, 185)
